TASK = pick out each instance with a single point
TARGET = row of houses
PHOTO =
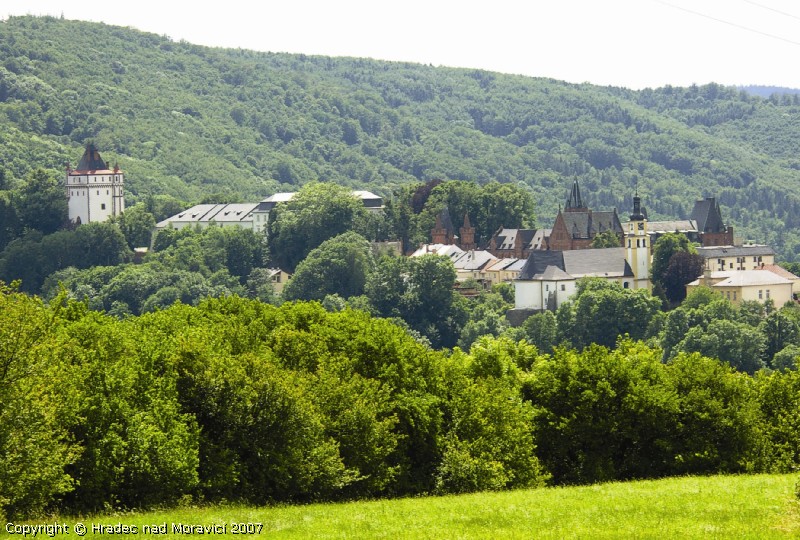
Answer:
(576, 226)
(545, 278)
(543, 264)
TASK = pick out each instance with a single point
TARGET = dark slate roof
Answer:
(609, 262)
(587, 224)
(506, 238)
(707, 215)
(606, 221)
(719, 252)
(444, 219)
(91, 160)
(538, 261)
(554, 273)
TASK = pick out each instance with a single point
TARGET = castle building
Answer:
(577, 225)
(705, 226)
(549, 278)
(94, 192)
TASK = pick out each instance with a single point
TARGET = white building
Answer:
(747, 257)
(253, 216)
(94, 192)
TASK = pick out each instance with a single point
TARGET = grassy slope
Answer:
(758, 506)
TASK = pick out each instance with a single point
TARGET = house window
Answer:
(760, 294)
(767, 294)
(731, 265)
(734, 295)
(563, 287)
(98, 192)
(547, 287)
(625, 285)
(103, 206)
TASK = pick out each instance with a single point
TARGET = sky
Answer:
(630, 43)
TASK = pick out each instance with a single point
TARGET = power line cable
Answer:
(768, 8)
(735, 25)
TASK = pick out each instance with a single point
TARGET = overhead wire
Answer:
(769, 8)
(729, 23)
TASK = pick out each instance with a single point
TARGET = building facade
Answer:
(94, 191)
(747, 257)
(577, 225)
(549, 278)
(253, 216)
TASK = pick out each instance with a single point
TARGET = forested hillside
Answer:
(193, 123)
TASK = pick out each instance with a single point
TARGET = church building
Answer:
(577, 225)
(549, 278)
(94, 192)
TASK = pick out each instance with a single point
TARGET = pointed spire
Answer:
(574, 200)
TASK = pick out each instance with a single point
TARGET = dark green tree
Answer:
(318, 212)
(137, 224)
(41, 203)
(340, 265)
(606, 239)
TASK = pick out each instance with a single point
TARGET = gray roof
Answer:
(743, 278)
(678, 225)
(507, 238)
(707, 215)
(502, 264)
(587, 224)
(554, 273)
(474, 260)
(597, 262)
(204, 213)
(538, 261)
(609, 262)
(719, 252)
(369, 199)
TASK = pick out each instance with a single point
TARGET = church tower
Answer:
(94, 192)
(467, 235)
(443, 232)
(637, 246)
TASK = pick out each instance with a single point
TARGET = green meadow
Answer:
(747, 506)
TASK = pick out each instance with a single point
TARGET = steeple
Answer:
(467, 232)
(574, 201)
(637, 243)
(443, 232)
(637, 214)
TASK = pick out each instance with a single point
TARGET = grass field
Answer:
(758, 506)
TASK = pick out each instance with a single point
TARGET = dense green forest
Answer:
(190, 123)
(239, 400)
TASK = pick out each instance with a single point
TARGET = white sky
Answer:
(631, 43)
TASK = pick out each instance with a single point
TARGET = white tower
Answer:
(94, 192)
(637, 246)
